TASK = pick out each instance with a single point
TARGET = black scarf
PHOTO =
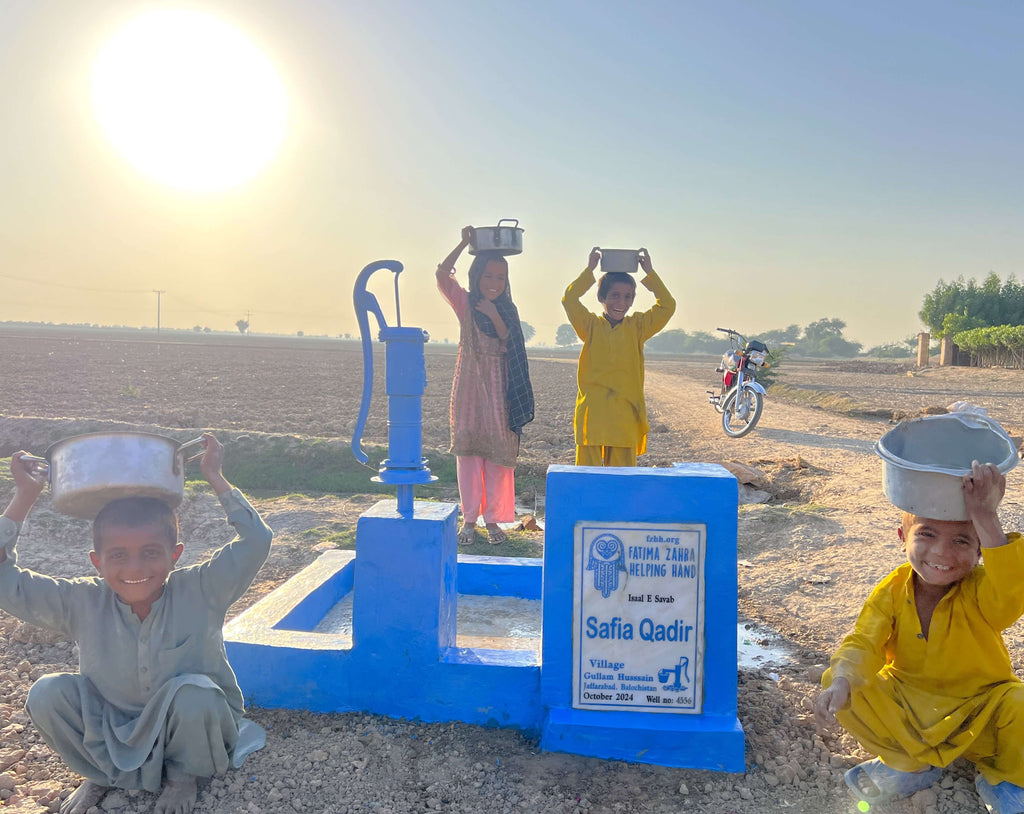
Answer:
(519, 393)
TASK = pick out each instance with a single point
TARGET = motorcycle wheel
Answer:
(741, 411)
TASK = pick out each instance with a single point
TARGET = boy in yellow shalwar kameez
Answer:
(611, 417)
(925, 677)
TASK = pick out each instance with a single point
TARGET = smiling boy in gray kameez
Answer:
(155, 704)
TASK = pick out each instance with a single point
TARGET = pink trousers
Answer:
(486, 488)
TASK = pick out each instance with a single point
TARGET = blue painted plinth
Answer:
(404, 607)
(401, 658)
(690, 493)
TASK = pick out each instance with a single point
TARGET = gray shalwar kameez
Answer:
(151, 691)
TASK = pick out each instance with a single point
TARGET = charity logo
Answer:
(607, 558)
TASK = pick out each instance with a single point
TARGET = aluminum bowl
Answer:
(926, 458)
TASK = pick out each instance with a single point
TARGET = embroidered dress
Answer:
(919, 702)
(478, 411)
(115, 710)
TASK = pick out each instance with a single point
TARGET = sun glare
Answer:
(188, 100)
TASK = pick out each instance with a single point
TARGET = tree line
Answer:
(821, 338)
(986, 320)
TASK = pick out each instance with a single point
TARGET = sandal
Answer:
(495, 536)
(1002, 798)
(467, 534)
(889, 783)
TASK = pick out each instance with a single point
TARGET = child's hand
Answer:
(984, 488)
(594, 259)
(467, 234)
(490, 310)
(645, 261)
(487, 308)
(26, 481)
(28, 486)
(212, 463)
(831, 701)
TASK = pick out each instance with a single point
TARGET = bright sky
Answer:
(783, 161)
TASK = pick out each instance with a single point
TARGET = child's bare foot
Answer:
(178, 796)
(83, 798)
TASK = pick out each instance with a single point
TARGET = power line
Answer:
(75, 287)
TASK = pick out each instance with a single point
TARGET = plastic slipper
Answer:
(467, 535)
(889, 783)
(496, 536)
(1002, 798)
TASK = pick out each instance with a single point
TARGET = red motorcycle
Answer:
(741, 399)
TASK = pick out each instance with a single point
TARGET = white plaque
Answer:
(638, 616)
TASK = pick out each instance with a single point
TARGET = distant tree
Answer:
(679, 341)
(962, 306)
(529, 332)
(206, 330)
(824, 337)
(894, 350)
(242, 325)
(300, 333)
(197, 328)
(565, 336)
(780, 336)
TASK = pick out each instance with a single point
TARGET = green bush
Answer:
(769, 376)
(998, 346)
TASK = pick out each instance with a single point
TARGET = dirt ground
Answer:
(808, 557)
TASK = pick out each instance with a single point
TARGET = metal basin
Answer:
(925, 459)
(86, 472)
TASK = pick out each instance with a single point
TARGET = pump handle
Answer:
(366, 303)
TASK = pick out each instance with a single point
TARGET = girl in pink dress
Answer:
(492, 399)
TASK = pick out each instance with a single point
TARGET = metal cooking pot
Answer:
(501, 239)
(620, 260)
(86, 472)
(925, 459)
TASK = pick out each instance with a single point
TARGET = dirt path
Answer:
(811, 555)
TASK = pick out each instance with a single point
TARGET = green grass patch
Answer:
(130, 391)
(520, 544)
(340, 535)
(768, 513)
(285, 464)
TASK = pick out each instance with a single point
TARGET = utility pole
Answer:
(158, 295)
(248, 320)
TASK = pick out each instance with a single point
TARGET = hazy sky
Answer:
(782, 161)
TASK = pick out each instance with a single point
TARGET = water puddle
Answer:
(509, 623)
(492, 622)
(759, 646)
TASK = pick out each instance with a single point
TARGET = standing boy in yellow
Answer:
(611, 417)
(925, 677)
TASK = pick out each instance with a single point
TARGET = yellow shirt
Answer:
(932, 696)
(610, 408)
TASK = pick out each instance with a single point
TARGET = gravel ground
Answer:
(826, 502)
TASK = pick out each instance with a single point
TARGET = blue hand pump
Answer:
(405, 381)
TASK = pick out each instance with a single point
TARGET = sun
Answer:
(188, 100)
